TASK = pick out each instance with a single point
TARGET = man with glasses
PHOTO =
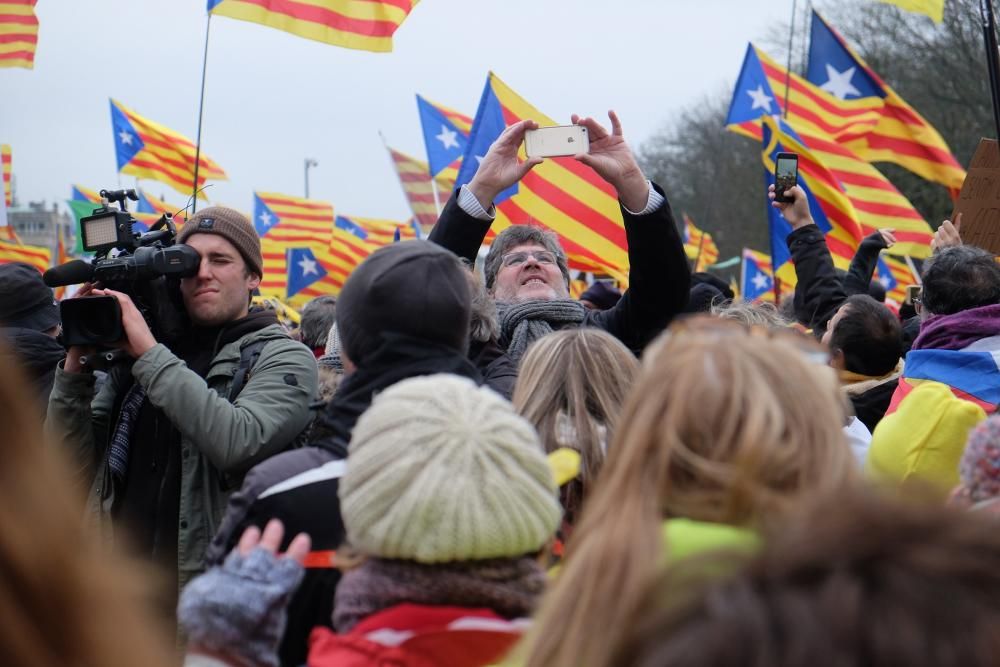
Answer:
(526, 269)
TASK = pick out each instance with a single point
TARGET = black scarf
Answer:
(397, 358)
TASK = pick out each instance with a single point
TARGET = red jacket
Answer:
(410, 635)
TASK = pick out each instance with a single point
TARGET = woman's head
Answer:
(441, 470)
(737, 423)
(724, 424)
(571, 386)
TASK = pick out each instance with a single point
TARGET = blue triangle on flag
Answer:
(834, 69)
(487, 126)
(127, 141)
(445, 142)
(264, 219)
(303, 269)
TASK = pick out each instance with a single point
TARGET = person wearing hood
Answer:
(29, 325)
(164, 442)
(404, 312)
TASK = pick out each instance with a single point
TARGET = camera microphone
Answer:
(70, 273)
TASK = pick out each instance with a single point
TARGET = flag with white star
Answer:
(826, 127)
(756, 278)
(303, 269)
(488, 125)
(147, 149)
(902, 136)
(446, 134)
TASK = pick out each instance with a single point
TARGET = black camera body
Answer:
(146, 267)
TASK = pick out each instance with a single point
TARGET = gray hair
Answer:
(751, 314)
(516, 235)
(317, 317)
(483, 326)
(960, 278)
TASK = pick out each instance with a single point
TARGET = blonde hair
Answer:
(722, 426)
(571, 386)
(65, 599)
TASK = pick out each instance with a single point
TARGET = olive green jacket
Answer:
(220, 441)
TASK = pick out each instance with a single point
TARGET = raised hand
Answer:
(796, 212)
(500, 168)
(614, 161)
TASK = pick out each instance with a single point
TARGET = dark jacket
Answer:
(300, 487)
(819, 292)
(871, 405)
(498, 370)
(859, 274)
(659, 276)
(38, 354)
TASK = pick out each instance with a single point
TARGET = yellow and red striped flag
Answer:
(6, 229)
(6, 164)
(826, 125)
(902, 136)
(895, 275)
(147, 149)
(61, 258)
(367, 25)
(18, 33)
(285, 222)
(37, 256)
(699, 246)
(561, 194)
(415, 179)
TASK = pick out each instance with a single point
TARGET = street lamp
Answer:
(309, 163)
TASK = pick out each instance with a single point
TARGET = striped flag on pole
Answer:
(561, 194)
(353, 24)
(147, 149)
(18, 33)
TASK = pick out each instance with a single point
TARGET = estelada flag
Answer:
(826, 125)
(147, 149)
(353, 24)
(902, 136)
(561, 194)
(18, 33)
(446, 134)
(756, 277)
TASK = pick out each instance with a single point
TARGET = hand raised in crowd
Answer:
(138, 338)
(614, 161)
(888, 236)
(500, 168)
(947, 235)
(796, 212)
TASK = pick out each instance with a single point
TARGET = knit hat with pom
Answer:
(441, 470)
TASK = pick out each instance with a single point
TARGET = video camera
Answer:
(147, 267)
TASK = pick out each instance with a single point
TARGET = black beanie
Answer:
(414, 288)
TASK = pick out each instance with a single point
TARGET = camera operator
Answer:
(161, 444)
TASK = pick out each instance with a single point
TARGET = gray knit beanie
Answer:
(231, 225)
(441, 470)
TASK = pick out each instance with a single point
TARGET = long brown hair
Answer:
(722, 426)
(571, 386)
(64, 598)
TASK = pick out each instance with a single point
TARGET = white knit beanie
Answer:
(442, 470)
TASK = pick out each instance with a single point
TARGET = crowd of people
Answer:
(453, 467)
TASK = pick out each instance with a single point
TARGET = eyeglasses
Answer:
(519, 258)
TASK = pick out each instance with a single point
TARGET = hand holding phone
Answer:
(557, 141)
(786, 176)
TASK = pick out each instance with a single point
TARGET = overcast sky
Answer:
(274, 99)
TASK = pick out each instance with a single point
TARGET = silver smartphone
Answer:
(557, 141)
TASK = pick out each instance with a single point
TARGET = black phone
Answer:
(786, 175)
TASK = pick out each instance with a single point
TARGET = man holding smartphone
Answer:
(527, 273)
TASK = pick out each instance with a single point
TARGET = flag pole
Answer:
(992, 66)
(434, 189)
(788, 70)
(201, 109)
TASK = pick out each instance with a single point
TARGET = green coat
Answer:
(219, 440)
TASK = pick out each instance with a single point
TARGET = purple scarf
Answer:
(959, 330)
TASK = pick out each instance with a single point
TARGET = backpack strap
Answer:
(249, 354)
